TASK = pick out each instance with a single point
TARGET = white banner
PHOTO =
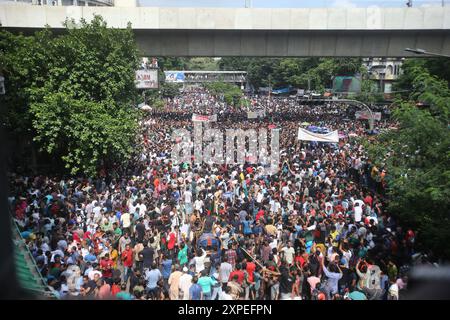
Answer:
(202, 118)
(147, 79)
(256, 114)
(306, 135)
(365, 115)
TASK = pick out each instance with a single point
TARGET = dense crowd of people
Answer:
(318, 229)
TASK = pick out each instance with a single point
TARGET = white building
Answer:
(384, 71)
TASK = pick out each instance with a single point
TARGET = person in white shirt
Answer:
(95, 208)
(225, 270)
(273, 244)
(142, 209)
(259, 196)
(126, 220)
(224, 238)
(188, 202)
(289, 253)
(187, 196)
(358, 212)
(198, 205)
(200, 261)
(285, 190)
(225, 294)
(185, 283)
(131, 206)
(92, 274)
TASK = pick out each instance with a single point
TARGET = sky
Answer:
(290, 3)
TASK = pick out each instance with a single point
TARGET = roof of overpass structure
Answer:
(280, 32)
(287, 3)
(171, 18)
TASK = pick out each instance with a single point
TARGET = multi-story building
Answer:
(384, 71)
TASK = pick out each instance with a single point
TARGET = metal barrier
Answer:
(47, 292)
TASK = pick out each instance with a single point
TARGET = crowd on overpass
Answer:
(317, 229)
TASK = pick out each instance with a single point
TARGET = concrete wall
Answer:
(15, 15)
(259, 32)
(290, 43)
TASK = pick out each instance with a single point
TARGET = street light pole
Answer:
(422, 51)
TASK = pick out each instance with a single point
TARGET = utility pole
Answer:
(270, 88)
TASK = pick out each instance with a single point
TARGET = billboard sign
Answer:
(147, 79)
(174, 76)
(346, 84)
(365, 115)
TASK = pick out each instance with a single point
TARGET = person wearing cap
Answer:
(185, 283)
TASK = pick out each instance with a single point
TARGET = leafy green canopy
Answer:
(75, 90)
(417, 159)
(230, 92)
(296, 72)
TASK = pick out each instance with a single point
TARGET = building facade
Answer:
(384, 72)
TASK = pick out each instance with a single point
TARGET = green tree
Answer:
(369, 91)
(202, 64)
(417, 159)
(296, 72)
(170, 89)
(258, 69)
(77, 91)
(25, 64)
(172, 63)
(230, 92)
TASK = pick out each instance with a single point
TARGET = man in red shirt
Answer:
(127, 260)
(115, 288)
(239, 273)
(250, 267)
(259, 215)
(106, 265)
(368, 200)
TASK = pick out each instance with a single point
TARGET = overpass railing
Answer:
(42, 289)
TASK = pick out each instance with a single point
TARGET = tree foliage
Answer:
(296, 72)
(230, 92)
(417, 159)
(369, 91)
(170, 90)
(76, 91)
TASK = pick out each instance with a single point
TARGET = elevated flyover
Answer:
(352, 32)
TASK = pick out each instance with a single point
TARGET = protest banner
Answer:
(204, 118)
(306, 135)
